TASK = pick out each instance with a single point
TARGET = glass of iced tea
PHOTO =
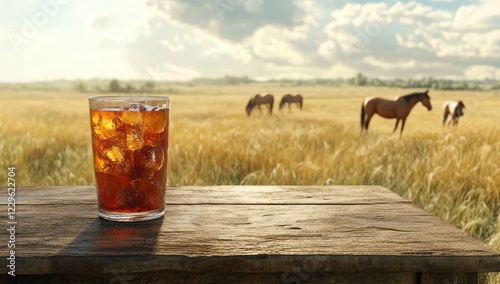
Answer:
(130, 151)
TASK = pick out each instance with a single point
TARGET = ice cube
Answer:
(132, 114)
(134, 107)
(149, 160)
(155, 120)
(115, 154)
(101, 164)
(106, 125)
(111, 161)
(135, 138)
(139, 194)
(153, 156)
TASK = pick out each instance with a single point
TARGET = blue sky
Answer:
(184, 39)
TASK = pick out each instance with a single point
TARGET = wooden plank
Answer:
(317, 229)
(297, 228)
(439, 277)
(339, 238)
(173, 277)
(223, 195)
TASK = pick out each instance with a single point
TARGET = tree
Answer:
(80, 87)
(149, 86)
(360, 79)
(114, 86)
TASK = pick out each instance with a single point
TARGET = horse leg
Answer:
(445, 117)
(402, 127)
(367, 122)
(259, 109)
(363, 118)
(396, 127)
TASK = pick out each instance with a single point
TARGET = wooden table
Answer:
(242, 234)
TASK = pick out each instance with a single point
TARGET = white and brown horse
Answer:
(455, 109)
(258, 100)
(398, 109)
(290, 99)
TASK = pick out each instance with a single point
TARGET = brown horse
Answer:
(398, 109)
(289, 99)
(455, 109)
(258, 100)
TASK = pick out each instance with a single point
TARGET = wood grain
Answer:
(255, 230)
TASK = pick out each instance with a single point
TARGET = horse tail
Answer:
(362, 115)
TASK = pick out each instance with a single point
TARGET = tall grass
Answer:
(451, 172)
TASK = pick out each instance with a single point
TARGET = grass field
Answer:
(451, 172)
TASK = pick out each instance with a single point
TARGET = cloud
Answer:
(101, 22)
(480, 72)
(412, 38)
(182, 39)
(269, 37)
(482, 17)
(170, 52)
(221, 49)
(276, 44)
(232, 20)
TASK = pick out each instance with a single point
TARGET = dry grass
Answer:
(452, 173)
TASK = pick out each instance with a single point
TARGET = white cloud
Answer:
(412, 38)
(235, 51)
(168, 72)
(275, 43)
(266, 39)
(340, 70)
(174, 45)
(390, 65)
(481, 17)
(480, 72)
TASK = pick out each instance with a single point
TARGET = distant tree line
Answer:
(116, 87)
(150, 86)
(426, 82)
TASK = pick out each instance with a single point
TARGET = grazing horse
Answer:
(258, 100)
(398, 109)
(289, 99)
(453, 108)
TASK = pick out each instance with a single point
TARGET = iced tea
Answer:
(130, 150)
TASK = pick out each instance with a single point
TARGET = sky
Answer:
(297, 39)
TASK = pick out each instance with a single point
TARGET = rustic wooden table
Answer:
(242, 234)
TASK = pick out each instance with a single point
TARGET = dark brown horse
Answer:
(289, 99)
(455, 109)
(398, 109)
(258, 100)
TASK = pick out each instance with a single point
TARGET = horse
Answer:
(455, 109)
(398, 109)
(258, 100)
(289, 99)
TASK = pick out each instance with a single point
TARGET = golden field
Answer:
(451, 172)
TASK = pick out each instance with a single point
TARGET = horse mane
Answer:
(409, 97)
